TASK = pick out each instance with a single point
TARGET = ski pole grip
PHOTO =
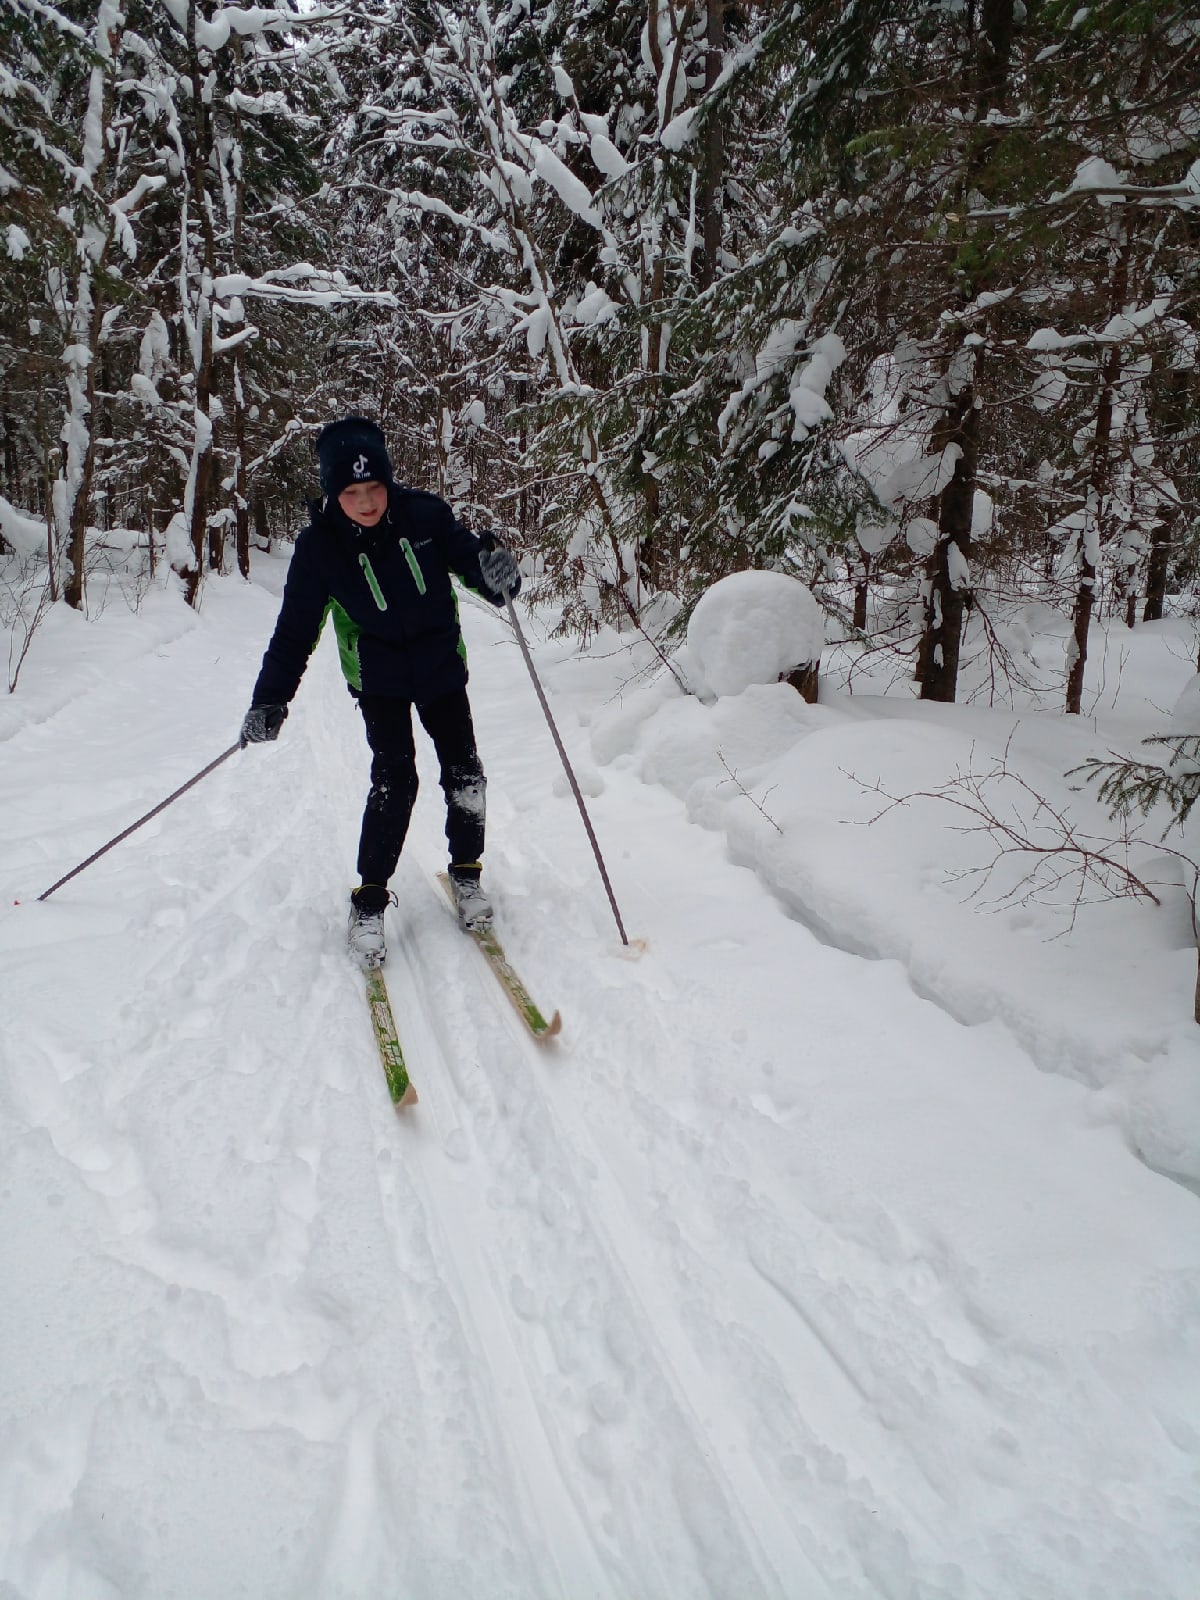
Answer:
(488, 541)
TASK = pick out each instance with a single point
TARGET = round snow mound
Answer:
(753, 627)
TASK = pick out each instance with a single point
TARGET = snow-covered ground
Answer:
(847, 1243)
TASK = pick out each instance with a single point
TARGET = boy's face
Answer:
(364, 503)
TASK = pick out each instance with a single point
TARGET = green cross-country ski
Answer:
(485, 937)
(386, 1037)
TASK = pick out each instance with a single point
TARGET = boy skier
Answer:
(377, 557)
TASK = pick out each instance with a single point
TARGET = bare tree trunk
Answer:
(1097, 501)
(995, 51)
(200, 478)
(72, 491)
(806, 681)
(202, 459)
(709, 195)
(653, 559)
(653, 7)
(947, 597)
(658, 283)
(649, 554)
(523, 500)
(1085, 600)
(240, 501)
(241, 507)
(47, 500)
(10, 456)
(148, 519)
(262, 527)
(201, 485)
(1158, 570)
(862, 590)
(74, 488)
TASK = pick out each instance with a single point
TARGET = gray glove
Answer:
(262, 723)
(500, 571)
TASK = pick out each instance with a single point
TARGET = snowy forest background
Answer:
(844, 1242)
(901, 298)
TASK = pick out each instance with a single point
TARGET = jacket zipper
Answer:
(414, 566)
(372, 581)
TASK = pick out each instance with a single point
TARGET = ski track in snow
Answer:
(711, 1299)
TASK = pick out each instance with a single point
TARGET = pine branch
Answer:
(1125, 785)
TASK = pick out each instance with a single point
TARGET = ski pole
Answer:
(134, 826)
(489, 543)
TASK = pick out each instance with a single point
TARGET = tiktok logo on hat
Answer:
(352, 450)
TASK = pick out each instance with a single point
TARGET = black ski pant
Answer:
(393, 792)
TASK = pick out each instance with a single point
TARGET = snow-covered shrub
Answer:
(753, 627)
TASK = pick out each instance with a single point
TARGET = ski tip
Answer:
(408, 1098)
(554, 1027)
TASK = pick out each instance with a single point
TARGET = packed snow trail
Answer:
(769, 1279)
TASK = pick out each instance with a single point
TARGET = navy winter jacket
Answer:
(389, 593)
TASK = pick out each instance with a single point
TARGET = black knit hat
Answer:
(353, 450)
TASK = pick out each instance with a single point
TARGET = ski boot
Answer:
(364, 933)
(472, 904)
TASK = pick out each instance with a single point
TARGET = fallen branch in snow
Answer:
(1062, 856)
(671, 667)
(742, 789)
